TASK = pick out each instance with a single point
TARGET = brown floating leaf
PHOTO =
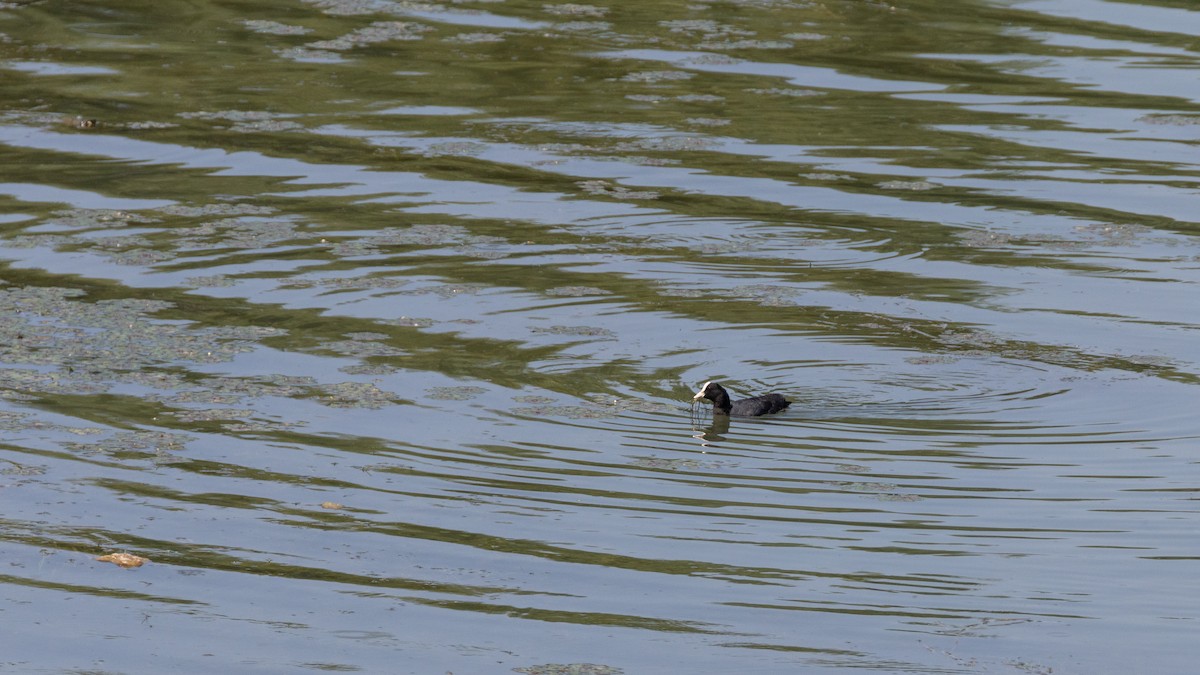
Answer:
(126, 560)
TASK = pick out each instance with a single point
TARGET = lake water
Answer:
(373, 326)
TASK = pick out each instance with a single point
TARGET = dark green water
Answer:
(372, 325)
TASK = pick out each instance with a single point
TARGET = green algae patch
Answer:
(576, 10)
(575, 331)
(267, 27)
(360, 348)
(454, 393)
(576, 291)
(675, 464)
(56, 326)
(569, 669)
(154, 445)
(769, 295)
(355, 395)
(574, 412)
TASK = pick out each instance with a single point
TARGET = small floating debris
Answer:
(332, 506)
(126, 560)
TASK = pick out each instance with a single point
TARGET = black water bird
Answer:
(747, 407)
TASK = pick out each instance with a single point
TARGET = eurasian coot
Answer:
(747, 407)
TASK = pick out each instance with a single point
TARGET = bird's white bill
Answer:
(700, 394)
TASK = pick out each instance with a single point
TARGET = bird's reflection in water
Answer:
(708, 427)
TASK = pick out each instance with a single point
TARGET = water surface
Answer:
(372, 327)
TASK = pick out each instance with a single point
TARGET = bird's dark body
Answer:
(754, 406)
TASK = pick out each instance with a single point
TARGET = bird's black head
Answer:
(711, 391)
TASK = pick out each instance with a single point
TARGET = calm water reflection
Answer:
(372, 325)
